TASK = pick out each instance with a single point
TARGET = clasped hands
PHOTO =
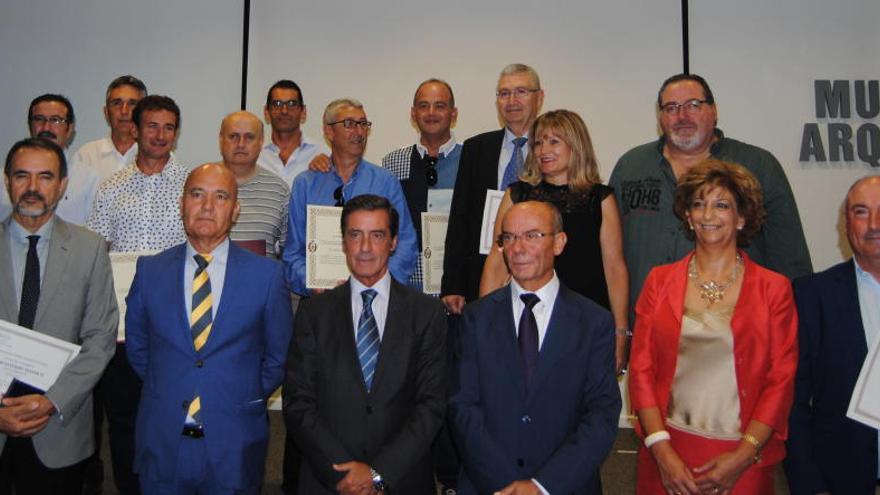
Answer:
(715, 477)
(25, 416)
(357, 481)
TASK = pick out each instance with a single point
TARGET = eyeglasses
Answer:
(431, 169)
(518, 93)
(690, 107)
(351, 124)
(337, 195)
(290, 104)
(530, 237)
(42, 120)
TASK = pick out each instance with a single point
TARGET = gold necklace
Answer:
(710, 290)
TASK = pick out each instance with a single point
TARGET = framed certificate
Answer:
(124, 266)
(490, 211)
(864, 406)
(31, 358)
(325, 261)
(433, 245)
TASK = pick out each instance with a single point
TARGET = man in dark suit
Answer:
(839, 320)
(208, 325)
(365, 391)
(535, 405)
(54, 278)
(491, 160)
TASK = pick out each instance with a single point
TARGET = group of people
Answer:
(506, 382)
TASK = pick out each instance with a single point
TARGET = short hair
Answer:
(438, 81)
(521, 69)
(370, 202)
(583, 167)
(333, 108)
(37, 143)
(741, 183)
(71, 118)
(284, 84)
(856, 183)
(707, 92)
(126, 80)
(153, 103)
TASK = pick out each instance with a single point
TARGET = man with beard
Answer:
(346, 129)
(288, 152)
(110, 154)
(645, 177)
(51, 117)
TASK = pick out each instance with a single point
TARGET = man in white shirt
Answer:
(110, 154)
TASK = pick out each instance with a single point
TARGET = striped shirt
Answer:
(263, 198)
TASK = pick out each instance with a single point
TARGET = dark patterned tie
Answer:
(515, 165)
(30, 288)
(528, 338)
(368, 338)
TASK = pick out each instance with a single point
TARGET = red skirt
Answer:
(695, 451)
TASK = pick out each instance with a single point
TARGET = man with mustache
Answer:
(51, 117)
(263, 196)
(289, 151)
(645, 177)
(55, 279)
(346, 128)
(138, 209)
(110, 154)
(491, 160)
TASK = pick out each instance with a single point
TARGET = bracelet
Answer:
(656, 437)
(623, 332)
(750, 439)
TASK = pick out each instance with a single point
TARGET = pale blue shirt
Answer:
(296, 163)
(869, 304)
(507, 148)
(542, 310)
(18, 248)
(380, 302)
(216, 274)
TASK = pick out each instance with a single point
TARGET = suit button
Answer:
(199, 363)
(369, 409)
(526, 419)
(520, 463)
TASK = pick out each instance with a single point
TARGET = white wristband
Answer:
(656, 437)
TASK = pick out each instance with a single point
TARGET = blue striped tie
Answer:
(515, 165)
(368, 338)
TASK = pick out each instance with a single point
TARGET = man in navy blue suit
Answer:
(839, 320)
(535, 403)
(207, 327)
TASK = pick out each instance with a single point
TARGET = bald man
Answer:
(201, 424)
(263, 195)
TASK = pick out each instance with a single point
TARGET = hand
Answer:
(454, 303)
(675, 475)
(720, 474)
(520, 487)
(320, 163)
(25, 416)
(357, 481)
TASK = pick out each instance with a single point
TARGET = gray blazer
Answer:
(77, 304)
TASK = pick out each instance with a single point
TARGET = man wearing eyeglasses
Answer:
(346, 128)
(645, 177)
(491, 160)
(289, 151)
(112, 153)
(51, 117)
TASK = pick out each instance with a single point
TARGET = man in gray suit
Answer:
(54, 278)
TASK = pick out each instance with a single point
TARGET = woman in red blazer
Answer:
(714, 349)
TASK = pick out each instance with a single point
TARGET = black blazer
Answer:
(329, 411)
(477, 171)
(826, 450)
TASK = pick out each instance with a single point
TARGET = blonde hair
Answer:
(583, 168)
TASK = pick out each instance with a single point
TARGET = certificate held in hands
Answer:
(30, 361)
(325, 261)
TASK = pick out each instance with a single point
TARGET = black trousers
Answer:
(121, 390)
(22, 471)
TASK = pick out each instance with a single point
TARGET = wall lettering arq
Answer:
(839, 100)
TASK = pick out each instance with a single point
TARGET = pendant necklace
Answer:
(710, 290)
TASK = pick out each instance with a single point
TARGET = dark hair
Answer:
(38, 143)
(71, 118)
(741, 183)
(707, 93)
(153, 103)
(285, 84)
(127, 80)
(438, 81)
(370, 202)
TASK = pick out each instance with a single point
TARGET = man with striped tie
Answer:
(365, 391)
(207, 326)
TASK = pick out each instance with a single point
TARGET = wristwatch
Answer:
(378, 482)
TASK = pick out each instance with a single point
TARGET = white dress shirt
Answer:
(298, 161)
(507, 148)
(542, 310)
(380, 302)
(869, 304)
(102, 156)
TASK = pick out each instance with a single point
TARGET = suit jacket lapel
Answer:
(177, 273)
(344, 334)
(503, 333)
(7, 290)
(231, 283)
(58, 259)
(849, 311)
(399, 312)
(557, 339)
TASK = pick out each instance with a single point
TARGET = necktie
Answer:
(200, 318)
(30, 287)
(368, 338)
(528, 338)
(514, 165)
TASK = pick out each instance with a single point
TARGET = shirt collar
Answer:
(445, 148)
(547, 294)
(220, 253)
(20, 234)
(304, 142)
(865, 276)
(509, 136)
(382, 286)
